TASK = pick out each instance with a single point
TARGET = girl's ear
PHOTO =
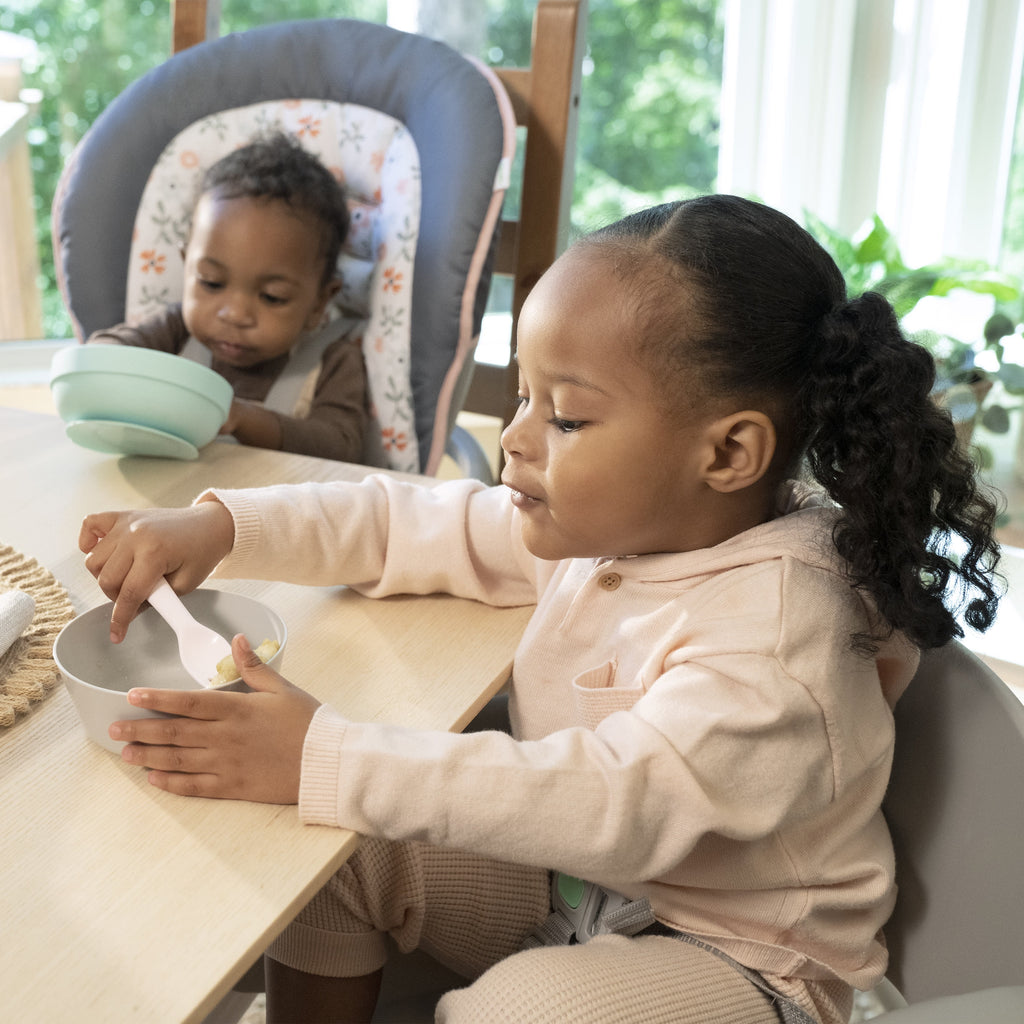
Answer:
(744, 445)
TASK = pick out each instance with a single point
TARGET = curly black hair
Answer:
(275, 166)
(767, 318)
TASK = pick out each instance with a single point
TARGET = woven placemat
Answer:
(27, 669)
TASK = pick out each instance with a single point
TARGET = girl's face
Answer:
(596, 465)
(253, 274)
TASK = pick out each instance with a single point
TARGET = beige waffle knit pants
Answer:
(472, 915)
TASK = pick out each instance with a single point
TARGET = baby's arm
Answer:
(128, 552)
(335, 426)
(164, 331)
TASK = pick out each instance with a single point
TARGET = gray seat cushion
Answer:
(1003, 1005)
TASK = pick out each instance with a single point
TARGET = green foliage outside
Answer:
(648, 123)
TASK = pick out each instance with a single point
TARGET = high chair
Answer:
(954, 807)
(545, 100)
(423, 139)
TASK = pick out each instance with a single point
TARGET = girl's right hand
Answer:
(128, 553)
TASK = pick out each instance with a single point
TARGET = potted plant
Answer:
(966, 369)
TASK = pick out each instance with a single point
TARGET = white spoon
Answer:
(199, 647)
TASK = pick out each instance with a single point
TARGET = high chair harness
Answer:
(583, 910)
(294, 386)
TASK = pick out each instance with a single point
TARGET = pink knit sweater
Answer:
(694, 728)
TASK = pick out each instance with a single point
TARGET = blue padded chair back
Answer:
(448, 106)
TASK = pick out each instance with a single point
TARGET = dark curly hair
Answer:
(767, 319)
(275, 166)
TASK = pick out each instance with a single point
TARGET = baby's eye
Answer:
(274, 300)
(210, 286)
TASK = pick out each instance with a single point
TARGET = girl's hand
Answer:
(128, 553)
(240, 746)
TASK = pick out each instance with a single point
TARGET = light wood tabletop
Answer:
(123, 903)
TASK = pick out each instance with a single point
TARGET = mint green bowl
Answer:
(136, 401)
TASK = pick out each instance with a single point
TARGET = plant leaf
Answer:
(996, 419)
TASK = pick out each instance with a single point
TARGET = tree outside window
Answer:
(648, 125)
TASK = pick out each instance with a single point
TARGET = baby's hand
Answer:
(128, 553)
(254, 424)
(241, 746)
(235, 413)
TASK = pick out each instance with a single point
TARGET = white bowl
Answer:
(98, 673)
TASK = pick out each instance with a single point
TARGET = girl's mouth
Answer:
(522, 501)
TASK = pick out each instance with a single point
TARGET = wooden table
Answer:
(120, 902)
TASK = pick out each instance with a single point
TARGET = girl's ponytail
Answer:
(916, 527)
(750, 305)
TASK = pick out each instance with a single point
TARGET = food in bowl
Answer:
(137, 401)
(227, 670)
(99, 674)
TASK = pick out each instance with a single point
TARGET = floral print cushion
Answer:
(375, 158)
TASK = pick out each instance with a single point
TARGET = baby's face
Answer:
(253, 275)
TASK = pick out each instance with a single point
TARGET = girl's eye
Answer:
(567, 426)
(210, 286)
(273, 300)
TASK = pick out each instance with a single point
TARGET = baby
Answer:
(260, 269)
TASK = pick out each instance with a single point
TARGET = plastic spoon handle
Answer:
(199, 647)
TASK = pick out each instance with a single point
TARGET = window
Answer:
(647, 66)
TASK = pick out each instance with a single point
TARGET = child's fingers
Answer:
(93, 529)
(201, 705)
(129, 596)
(192, 760)
(190, 784)
(255, 674)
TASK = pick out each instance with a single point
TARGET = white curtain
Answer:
(851, 107)
(462, 24)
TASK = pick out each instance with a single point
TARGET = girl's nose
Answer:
(515, 437)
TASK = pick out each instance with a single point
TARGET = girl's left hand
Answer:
(240, 746)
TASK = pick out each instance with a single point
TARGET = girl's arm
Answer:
(380, 536)
(626, 802)
(383, 536)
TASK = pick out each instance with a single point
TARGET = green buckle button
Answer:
(571, 889)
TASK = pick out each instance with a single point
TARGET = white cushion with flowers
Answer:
(375, 159)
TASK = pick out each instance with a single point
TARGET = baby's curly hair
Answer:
(749, 305)
(275, 166)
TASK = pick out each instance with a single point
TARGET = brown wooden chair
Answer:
(545, 97)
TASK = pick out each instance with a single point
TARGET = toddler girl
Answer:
(701, 721)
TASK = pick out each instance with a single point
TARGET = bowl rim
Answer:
(161, 367)
(69, 678)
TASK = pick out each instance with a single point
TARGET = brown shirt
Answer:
(336, 423)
